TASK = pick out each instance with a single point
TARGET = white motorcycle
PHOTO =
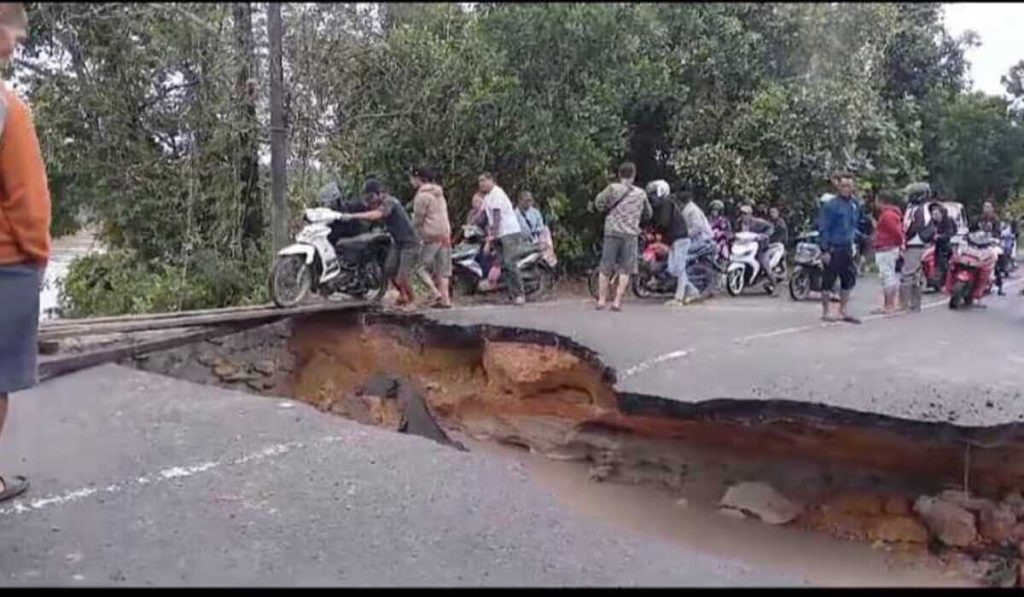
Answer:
(353, 265)
(468, 278)
(745, 269)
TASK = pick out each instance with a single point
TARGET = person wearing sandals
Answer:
(405, 242)
(24, 236)
(624, 207)
(430, 216)
(837, 229)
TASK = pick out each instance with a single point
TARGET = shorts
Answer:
(618, 255)
(886, 260)
(839, 266)
(402, 260)
(19, 326)
(437, 259)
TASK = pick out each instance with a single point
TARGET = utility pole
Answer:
(278, 158)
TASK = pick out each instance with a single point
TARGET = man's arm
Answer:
(27, 208)
(824, 224)
(601, 201)
(419, 210)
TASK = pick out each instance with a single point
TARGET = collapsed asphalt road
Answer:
(139, 479)
(939, 366)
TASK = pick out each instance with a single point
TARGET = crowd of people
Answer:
(422, 239)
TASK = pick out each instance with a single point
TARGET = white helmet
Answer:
(746, 210)
(826, 198)
(657, 189)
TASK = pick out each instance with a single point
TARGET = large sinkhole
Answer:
(883, 483)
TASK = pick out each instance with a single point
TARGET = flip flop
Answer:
(851, 319)
(14, 489)
(829, 319)
(599, 307)
(616, 308)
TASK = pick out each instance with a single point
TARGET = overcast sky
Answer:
(999, 26)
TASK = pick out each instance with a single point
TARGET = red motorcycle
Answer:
(930, 274)
(970, 271)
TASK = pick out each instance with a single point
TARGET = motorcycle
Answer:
(745, 269)
(807, 269)
(469, 277)
(654, 281)
(966, 269)
(931, 277)
(352, 265)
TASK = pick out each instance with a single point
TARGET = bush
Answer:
(118, 283)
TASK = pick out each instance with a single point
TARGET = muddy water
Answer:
(64, 251)
(645, 511)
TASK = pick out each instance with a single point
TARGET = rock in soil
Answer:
(761, 500)
(264, 367)
(959, 498)
(893, 528)
(949, 523)
(997, 524)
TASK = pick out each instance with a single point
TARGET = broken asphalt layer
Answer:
(956, 374)
(139, 479)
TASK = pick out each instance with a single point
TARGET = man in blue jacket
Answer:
(837, 229)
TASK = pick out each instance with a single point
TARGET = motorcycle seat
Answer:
(359, 242)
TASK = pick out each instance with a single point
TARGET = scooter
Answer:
(745, 269)
(970, 271)
(468, 276)
(353, 265)
(807, 269)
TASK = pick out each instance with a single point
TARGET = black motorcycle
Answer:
(702, 269)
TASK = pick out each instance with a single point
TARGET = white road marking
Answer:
(676, 354)
(175, 472)
(644, 366)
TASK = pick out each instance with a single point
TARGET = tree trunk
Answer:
(248, 140)
(277, 128)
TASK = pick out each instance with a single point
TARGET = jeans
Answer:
(511, 247)
(677, 267)
(910, 278)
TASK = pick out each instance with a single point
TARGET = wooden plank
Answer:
(262, 315)
(60, 365)
(60, 323)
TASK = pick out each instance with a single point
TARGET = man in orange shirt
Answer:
(24, 234)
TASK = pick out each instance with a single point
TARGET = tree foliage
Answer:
(153, 117)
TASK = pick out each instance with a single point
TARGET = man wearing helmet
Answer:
(919, 233)
(748, 222)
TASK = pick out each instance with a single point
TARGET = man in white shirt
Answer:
(503, 226)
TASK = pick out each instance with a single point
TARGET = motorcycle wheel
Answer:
(541, 285)
(639, 284)
(734, 282)
(290, 280)
(592, 283)
(463, 284)
(378, 285)
(959, 297)
(799, 284)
